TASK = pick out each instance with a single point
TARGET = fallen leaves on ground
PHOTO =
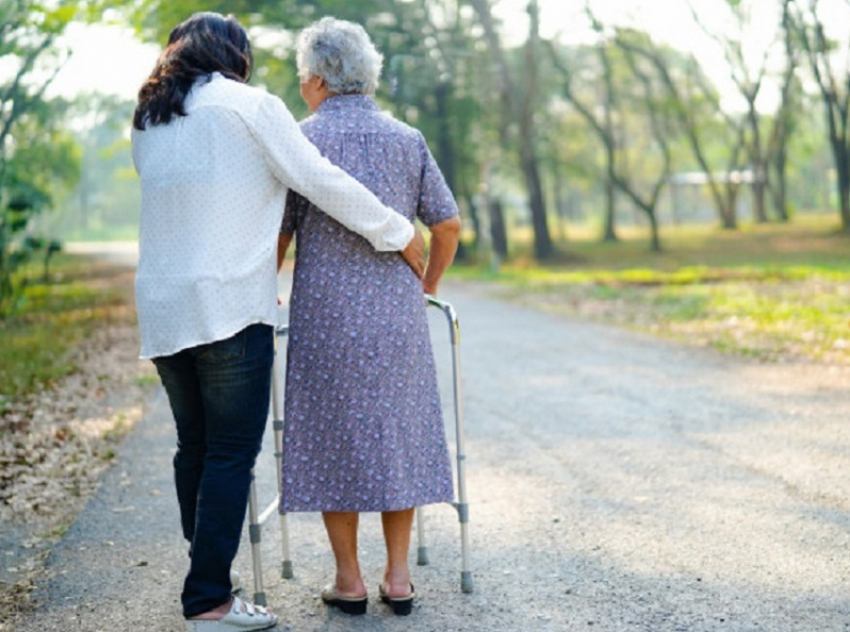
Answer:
(53, 448)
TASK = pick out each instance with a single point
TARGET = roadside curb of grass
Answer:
(56, 443)
(801, 319)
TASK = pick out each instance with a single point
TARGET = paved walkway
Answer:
(616, 483)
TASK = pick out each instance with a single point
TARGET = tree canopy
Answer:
(531, 129)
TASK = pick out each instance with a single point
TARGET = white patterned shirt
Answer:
(214, 186)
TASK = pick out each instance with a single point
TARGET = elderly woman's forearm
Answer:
(283, 241)
(444, 241)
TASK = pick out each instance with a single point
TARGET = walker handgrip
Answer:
(449, 311)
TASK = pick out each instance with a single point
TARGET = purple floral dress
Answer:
(363, 421)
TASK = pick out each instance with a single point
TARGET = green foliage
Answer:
(28, 182)
(154, 19)
(431, 79)
(37, 157)
(54, 314)
(440, 77)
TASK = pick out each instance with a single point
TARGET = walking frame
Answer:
(256, 519)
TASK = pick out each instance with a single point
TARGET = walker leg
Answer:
(422, 548)
(255, 538)
(465, 573)
(277, 407)
(462, 505)
(286, 566)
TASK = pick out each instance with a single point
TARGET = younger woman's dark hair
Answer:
(203, 44)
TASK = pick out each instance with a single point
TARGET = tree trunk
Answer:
(778, 185)
(609, 139)
(560, 204)
(783, 120)
(780, 195)
(498, 230)
(835, 102)
(655, 241)
(728, 210)
(445, 144)
(610, 234)
(842, 161)
(519, 101)
(543, 249)
(474, 214)
(759, 191)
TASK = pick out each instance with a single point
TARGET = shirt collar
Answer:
(347, 102)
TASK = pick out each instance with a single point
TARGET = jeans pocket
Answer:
(223, 351)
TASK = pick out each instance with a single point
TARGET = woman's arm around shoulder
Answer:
(297, 163)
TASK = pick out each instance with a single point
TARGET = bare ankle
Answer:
(349, 585)
(215, 614)
(397, 583)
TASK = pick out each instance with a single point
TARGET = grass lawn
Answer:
(53, 316)
(775, 292)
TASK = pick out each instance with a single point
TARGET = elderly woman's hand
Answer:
(414, 253)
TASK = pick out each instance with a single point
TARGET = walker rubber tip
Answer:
(466, 581)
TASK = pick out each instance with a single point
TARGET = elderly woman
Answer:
(363, 422)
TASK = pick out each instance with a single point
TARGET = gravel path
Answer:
(616, 483)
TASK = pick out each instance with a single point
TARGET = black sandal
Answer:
(400, 605)
(349, 605)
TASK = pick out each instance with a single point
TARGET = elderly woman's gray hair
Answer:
(341, 53)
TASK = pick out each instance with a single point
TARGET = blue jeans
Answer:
(219, 395)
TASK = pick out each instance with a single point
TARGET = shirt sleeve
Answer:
(297, 163)
(436, 202)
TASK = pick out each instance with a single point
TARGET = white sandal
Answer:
(235, 582)
(243, 617)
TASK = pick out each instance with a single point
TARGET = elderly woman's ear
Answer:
(314, 91)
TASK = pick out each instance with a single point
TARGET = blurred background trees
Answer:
(38, 158)
(545, 120)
